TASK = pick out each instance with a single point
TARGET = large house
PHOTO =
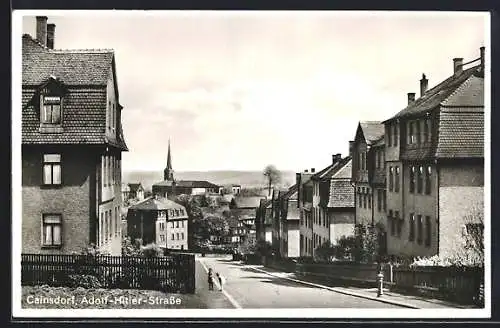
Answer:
(159, 220)
(172, 187)
(434, 150)
(264, 220)
(72, 141)
(245, 210)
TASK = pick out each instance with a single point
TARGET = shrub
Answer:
(366, 249)
(325, 252)
(151, 250)
(84, 280)
(451, 261)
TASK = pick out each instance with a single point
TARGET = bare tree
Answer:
(273, 176)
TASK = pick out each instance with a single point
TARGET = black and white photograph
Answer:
(259, 164)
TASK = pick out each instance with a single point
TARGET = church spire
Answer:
(168, 173)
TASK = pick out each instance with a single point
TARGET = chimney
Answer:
(351, 148)
(51, 30)
(411, 97)
(481, 51)
(313, 170)
(41, 29)
(423, 85)
(457, 65)
(336, 158)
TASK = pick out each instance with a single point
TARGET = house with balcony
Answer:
(434, 151)
(72, 144)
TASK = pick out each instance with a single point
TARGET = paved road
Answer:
(249, 288)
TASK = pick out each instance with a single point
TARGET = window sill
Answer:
(49, 186)
(51, 246)
(51, 129)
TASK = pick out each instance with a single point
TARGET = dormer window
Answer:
(51, 111)
(51, 114)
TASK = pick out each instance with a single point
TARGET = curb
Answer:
(382, 300)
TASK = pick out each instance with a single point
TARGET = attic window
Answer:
(51, 114)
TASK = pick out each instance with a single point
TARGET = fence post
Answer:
(380, 280)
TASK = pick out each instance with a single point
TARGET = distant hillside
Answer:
(247, 179)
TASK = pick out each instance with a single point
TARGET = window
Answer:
(182, 223)
(173, 237)
(396, 183)
(395, 143)
(182, 235)
(391, 178)
(369, 201)
(428, 231)
(420, 230)
(379, 200)
(420, 179)
(177, 236)
(393, 223)
(52, 226)
(418, 136)
(101, 236)
(384, 193)
(389, 136)
(162, 238)
(411, 137)
(51, 113)
(364, 200)
(52, 169)
(411, 236)
(177, 224)
(412, 179)
(399, 223)
(427, 130)
(172, 224)
(428, 174)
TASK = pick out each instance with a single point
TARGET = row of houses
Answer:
(418, 177)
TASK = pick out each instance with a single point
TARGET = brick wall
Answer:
(72, 200)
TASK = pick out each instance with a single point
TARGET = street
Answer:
(248, 288)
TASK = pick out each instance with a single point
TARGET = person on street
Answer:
(221, 280)
(210, 279)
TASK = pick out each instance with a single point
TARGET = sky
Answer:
(240, 90)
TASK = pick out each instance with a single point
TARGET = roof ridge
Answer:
(85, 51)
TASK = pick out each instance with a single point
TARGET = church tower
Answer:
(168, 173)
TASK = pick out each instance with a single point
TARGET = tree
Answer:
(473, 233)
(325, 252)
(273, 176)
(212, 225)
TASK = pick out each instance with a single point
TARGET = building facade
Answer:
(72, 141)
(434, 151)
(160, 221)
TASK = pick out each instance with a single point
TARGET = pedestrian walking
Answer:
(210, 279)
(221, 279)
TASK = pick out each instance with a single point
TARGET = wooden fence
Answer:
(173, 273)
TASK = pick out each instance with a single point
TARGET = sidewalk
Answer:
(408, 301)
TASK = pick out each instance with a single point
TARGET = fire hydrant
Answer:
(380, 280)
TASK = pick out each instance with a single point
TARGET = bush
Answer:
(151, 250)
(84, 280)
(366, 249)
(452, 261)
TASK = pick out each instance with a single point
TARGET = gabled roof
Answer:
(152, 203)
(339, 169)
(85, 73)
(380, 142)
(461, 134)
(439, 94)
(133, 187)
(372, 130)
(187, 184)
(341, 193)
(73, 67)
(291, 193)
